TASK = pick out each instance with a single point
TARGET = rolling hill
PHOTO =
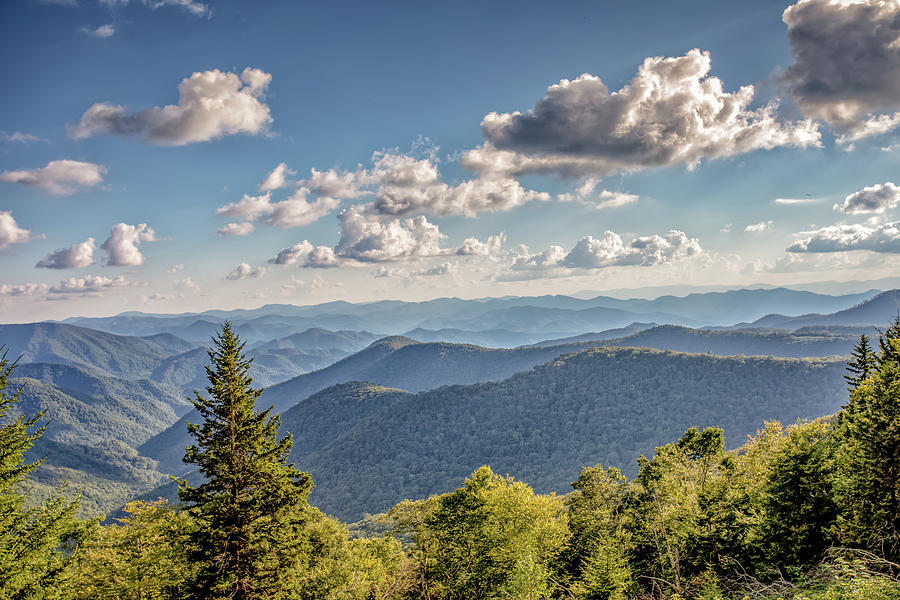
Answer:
(598, 405)
(368, 447)
(395, 362)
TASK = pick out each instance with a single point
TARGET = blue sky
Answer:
(128, 125)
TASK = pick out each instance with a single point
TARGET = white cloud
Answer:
(407, 185)
(402, 185)
(73, 257)
(872, 199)
(475, 247)
(726, 228)
(187, 285)
(347, 184)
(10, 232)
(384, 271)
(194, 7)
(59, 177)
(88, 284)
(305, 254)
(297, 210)
(244, 270)
(672, 113)
(846, 63)
(883, 237)
(445, 268)
(368, 239)
(322, 257)
(611, 250)
(759, 227)
(249, 207)
(212, 104)
(103, 31)
(792, 201)
(551, 257)
(610, 199)
(199, 9)
(276, 179)
(122, 244)
(245, 228)
(19, 137)
(874, 125)
(25, 289)
(292, 212)
(293, 255)
(174, 269)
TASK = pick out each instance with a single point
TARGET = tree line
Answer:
(806, 511)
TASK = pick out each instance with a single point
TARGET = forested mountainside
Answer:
(99, 382)
(368, 447)
(598, 405)
(804, 342)
(395, 362)
(725, 519)
(124, 356)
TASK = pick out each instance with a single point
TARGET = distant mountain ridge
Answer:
(553, 316)
(876, 310)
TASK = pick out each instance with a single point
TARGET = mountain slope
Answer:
(168, 446)
(875, 311)
(318, 339)
(124, 356)
(83, 407)
(395, 362)
(599, 336)
(599, 405)
(750, 342)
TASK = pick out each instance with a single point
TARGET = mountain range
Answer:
(117, 402)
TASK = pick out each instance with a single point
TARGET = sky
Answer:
(180, 155)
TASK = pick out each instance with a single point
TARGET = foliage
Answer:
(140, 557)
(868, 436)
(606, 405)
(31, 554)
(862, 363)
(251, 510)
(492, 538)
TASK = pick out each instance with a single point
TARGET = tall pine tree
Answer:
(862, 363)
(868, 456)
(31, 559)
(252, 509)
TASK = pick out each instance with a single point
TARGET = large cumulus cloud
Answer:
(673, 112)
(881, 237)
(59, 177)
(10, 232)
(211, 104)
(368, 238)
(871, 199)
(611, 250)
(846, 63)
(122, 244)
(74, 257)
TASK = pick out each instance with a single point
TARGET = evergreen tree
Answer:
(868, 456)
(798, 505)
(251, 511)
(862, 362)
(888, 341)
(31, 559)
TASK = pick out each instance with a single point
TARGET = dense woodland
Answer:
(807, 510)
